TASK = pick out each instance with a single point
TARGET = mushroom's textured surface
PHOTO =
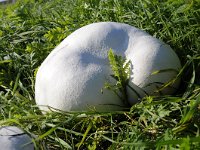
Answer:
(72, 76)
(13, 138)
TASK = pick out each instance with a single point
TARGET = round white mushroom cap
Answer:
(14, 138)
(72, 76)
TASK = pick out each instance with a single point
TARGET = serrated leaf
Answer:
(121, 70)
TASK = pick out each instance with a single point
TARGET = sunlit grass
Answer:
(30, 29)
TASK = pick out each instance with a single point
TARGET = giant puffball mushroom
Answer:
(72, 76)
(14, 138)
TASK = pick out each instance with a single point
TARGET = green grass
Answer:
(30, 29)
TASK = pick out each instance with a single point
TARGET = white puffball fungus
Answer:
(14, 138)
(72, 76)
